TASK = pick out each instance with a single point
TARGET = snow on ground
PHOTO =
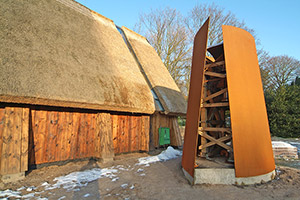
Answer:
(169, 153)
(75, 180)
(81, 178)
(281, 144)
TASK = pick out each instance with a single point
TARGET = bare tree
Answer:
(218, 17)
(280, 70)
(263, 58)
(172, 35)
(166, 32)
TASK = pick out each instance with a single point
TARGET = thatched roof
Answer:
(60, 53)
(157, 74)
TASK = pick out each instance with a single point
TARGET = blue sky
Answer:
(276, 22)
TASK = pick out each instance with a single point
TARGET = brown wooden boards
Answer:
(106, 139)
(43, 135)
(194, 100)
(24, 139)
(2, 121)
(14, 140)
(159, 120)
(253, 154)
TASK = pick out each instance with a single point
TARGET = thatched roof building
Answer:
(72, 88)
(59, 53)
(156, 74)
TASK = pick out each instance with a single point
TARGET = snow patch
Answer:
(75, 180)
(10, 193)
(29, 195)
(29, 189)
(86, 195)
(21, 188)
(140, 170)
(168, 154)
(115, 179)
(41, 198)
(45, 184)
(81, 178)
(281, 144)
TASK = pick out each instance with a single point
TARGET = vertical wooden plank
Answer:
(11, 148)
(129, 131)
(60, 139)
(87, 134)
(15, 166)
(172, 135)
(53, 129)
(41, 135)
(153, 129)
(6, 138)
(134, 134)
(47, 135)
(151, 142)
(74, 135)
(38, 140)
(97, 133)
(2, 121)
(143, 133)
(115, 129)
(83, 135)
(177, 135)
(68, 132)
(174, 131)
(139, 132)
(24, 139)
(106, 140)
(159, 123)
(80, 139)
(146, 133)
(91, 147)
(126, 134)
(121, 133)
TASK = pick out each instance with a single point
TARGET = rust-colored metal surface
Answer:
(194, 100)
(253, 153)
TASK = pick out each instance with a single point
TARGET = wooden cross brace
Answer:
(214, 141)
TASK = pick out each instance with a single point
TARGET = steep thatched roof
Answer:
(60, 53)
(157, 74)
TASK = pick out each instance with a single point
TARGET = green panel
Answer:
(164, 136)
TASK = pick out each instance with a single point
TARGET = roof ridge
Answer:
(83, 9)
(135, 34)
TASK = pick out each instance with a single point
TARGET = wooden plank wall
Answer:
(160, 120)
(58, 135)
(13, 140)
(37, 135)
(130, 133)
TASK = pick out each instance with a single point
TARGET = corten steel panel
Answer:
(194, 100)
(252, 146)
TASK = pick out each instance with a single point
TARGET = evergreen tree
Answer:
(283, 107)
